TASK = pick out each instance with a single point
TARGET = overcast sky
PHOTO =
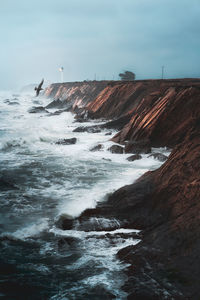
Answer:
(102, 37)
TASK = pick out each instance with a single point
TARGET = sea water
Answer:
(40, 181)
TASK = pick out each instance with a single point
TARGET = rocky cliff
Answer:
(164, 203)
(75, 94)
(160, 110)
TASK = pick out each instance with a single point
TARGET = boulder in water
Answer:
(134, 157)
(138, 147)
(37, 109)
(90, 129)
(158, 156)
(116, 149)
(66, 141)
(96, 224)
(55, 104)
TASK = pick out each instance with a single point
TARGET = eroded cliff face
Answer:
(160, 110)
(118, 99)
(75, 94)
(164, 120)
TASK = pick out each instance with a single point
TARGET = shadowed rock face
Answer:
(117, 100)
(163, 119)
(171, 245)
(142, 146)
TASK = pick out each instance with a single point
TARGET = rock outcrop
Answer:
(75, 94)
(71, 141)
(164, 203)
(163, 116)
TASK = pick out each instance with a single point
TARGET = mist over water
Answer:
(42, 181)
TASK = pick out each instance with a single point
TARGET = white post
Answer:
(62, 74)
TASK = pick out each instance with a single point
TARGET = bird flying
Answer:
(39, 88)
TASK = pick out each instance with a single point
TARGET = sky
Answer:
(97, 39)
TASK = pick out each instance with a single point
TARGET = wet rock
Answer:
(108, 133)
(97, 148)
(57, 112)
(93, 129)
(118, 123)
(55, 104)
(65, 222)
(96, 224)
(148, 271)
(115, 236)
(80, 129)
(138, 147)
(37, 109)
(116, 149)
(134, 157)
(159, 156)
(80, 120)
(66, 141)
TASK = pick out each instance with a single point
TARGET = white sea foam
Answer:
(83, 234)
(29, 231)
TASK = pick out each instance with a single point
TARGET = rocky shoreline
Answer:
(164, 203)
